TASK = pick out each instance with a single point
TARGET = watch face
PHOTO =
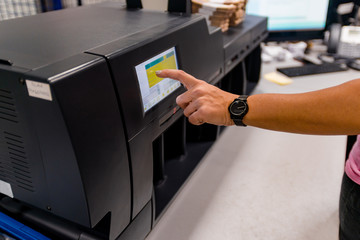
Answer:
(238, 107)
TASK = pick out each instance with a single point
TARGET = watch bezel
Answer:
(236, 102)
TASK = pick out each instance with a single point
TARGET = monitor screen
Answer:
(297, 17)
(154, 89)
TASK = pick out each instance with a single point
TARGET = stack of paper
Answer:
(221, 13)
(239, 14)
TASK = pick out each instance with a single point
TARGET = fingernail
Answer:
(158, 72)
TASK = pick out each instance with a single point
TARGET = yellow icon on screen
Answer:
(159, 64)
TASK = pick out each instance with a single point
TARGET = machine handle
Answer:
(174, 6)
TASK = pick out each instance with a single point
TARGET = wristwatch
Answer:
(238, 109)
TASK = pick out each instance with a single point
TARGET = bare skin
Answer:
(331, 111)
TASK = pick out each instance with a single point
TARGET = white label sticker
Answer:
(39, 90)
(5, 188)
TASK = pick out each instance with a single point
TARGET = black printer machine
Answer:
(81, 107)
(92, 143)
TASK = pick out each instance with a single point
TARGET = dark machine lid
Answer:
(35, 41)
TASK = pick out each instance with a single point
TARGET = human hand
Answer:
(202, 102)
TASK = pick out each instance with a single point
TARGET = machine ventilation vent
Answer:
(14, 168)
(7, 106)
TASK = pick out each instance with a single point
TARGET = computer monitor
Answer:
(293, 20)
(154, 89)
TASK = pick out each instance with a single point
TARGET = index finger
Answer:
(186, 79)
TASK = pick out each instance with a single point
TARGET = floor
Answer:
(262, 193)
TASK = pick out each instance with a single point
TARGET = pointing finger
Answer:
(186, 79)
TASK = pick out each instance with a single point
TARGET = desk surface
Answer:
(259, 184)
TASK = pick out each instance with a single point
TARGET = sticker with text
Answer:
(39, 90)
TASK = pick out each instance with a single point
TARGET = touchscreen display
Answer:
(154, 89)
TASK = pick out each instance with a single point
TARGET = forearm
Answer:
(333, 110)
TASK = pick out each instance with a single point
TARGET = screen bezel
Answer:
(145, 112)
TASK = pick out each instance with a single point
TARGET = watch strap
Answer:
(239, 122)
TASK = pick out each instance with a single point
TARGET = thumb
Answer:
(186, 79)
